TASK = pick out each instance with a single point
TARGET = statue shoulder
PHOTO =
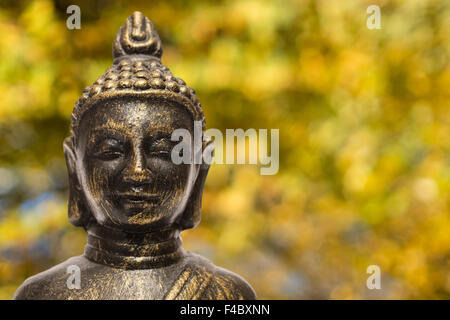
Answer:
(47, 284)
(201, 279)
(230, 286)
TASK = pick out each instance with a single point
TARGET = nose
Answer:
(137, 173)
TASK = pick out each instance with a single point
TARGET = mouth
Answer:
(137, 200)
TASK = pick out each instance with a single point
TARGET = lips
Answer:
(137, 199)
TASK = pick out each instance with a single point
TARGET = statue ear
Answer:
(191, 216)
(79, 214)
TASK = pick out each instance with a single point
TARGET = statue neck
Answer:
(123, 250)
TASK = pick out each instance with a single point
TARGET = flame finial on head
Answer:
(137, 36)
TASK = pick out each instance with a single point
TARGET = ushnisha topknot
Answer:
(137, 71)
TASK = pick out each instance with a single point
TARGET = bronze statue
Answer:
(125, 191)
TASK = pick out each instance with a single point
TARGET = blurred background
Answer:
(364, 120)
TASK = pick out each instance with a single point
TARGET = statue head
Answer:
(121, 174)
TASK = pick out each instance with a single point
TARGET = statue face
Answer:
(124, 165)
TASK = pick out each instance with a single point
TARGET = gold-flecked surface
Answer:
(126, 192)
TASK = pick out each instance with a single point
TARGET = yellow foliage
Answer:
(363, 116)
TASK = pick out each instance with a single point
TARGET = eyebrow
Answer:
(107, 132)
(158, 135)
(122, 133)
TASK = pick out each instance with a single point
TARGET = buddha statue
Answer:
(125, 191)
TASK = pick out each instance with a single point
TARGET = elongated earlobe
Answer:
(192, 213)
(79, 214)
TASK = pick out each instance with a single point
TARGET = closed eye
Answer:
(160, 148)
(108, 149)
(108, 155)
